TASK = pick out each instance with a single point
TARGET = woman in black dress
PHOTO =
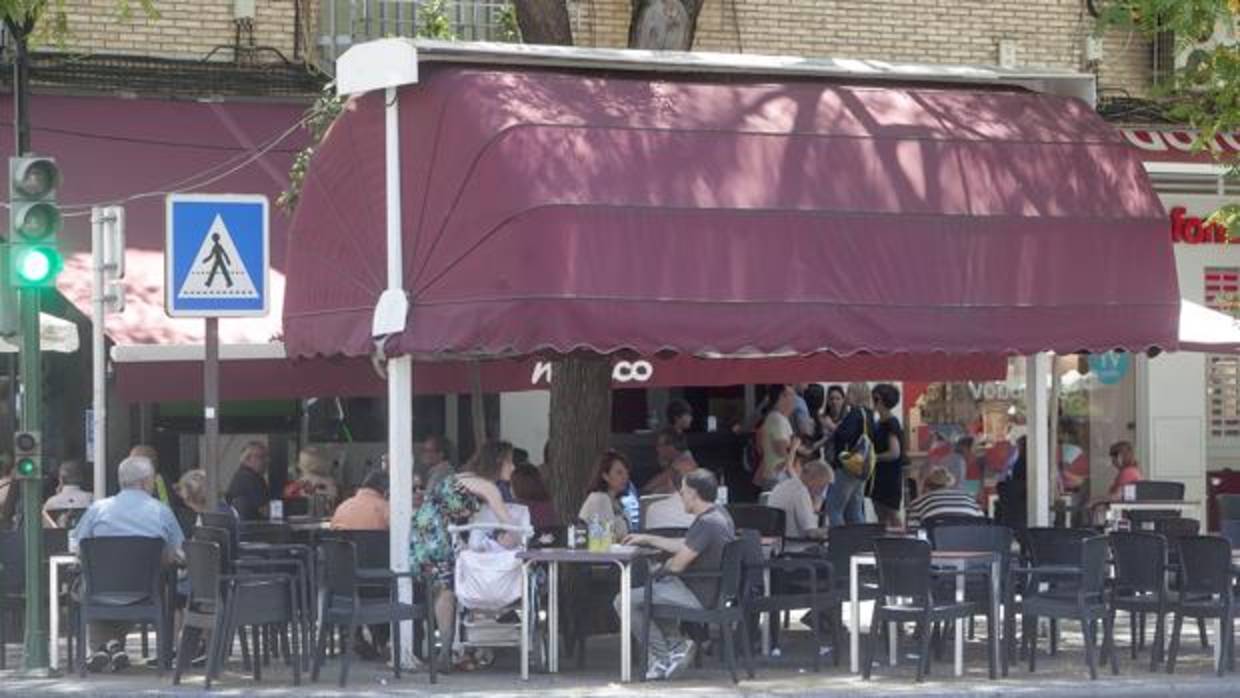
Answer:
(887, 484)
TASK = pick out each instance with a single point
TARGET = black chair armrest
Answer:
(1050, 571)
(948, 572)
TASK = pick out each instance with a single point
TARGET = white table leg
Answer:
(53, 615)
(626, 623)
(1217, 625)
(960, 622)
(996, 572)
(525, 622)
(553, 617)
(893, 643)
(854, 610)
(765, 620)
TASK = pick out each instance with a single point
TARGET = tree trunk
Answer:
(664, 25)
(580, 428)
(544, 22)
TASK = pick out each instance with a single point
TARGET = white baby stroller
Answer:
(489, 592)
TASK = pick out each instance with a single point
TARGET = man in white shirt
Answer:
(70, 498)
(777, 434)
(801, 498)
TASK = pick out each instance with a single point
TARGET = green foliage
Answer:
(433, 23)
(1204, 93)
(48, 20)
(509, 30)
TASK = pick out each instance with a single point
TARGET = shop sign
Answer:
(1109, 367)
(622, 372)
(995, 391)
(1193, 230)
(1177, 145)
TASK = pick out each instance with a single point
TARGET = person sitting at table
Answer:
(941, 499)
(669, 512)
(368, 508)
(529, 490)
(611, 481)
(133, 511)
(191, 492)
(315, 482)
(70, 499)
(1127, 472)
(700, 550)
(248, 491)
(801, 499)
(672, 450)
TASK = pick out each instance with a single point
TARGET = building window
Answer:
(1222, 286)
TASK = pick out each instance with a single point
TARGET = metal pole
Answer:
(32, 389)
(99, 410)
(400, 377)
(211, 410)
(1038, 470)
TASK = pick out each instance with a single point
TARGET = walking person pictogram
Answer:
(221, 261)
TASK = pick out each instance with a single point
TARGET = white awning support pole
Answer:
(400, 382)
(387, 64)
(1038, 430)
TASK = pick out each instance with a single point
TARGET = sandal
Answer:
(465, 664)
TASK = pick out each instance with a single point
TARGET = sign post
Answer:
(216, 265)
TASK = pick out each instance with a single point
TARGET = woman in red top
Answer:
(1129, 471)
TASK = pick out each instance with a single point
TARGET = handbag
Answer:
(860, 460)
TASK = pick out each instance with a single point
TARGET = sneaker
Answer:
(680, 658)
(98, 662)
(657, 671)
(119, 662)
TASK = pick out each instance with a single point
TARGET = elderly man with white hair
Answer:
(131, 512)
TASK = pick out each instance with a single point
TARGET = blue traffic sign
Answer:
(218, 255)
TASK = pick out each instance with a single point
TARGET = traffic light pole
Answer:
(36, 655)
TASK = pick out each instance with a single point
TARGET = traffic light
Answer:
(34, 222)
(26, 454)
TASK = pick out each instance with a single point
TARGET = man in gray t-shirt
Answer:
(700, 550)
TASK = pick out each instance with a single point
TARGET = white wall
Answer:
(524, 419)
(1172, 417)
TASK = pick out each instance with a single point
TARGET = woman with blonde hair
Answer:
(846, 496)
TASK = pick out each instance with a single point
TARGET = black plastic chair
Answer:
(344, 606)
(1228, 506)
(726, 612)
(986, 538)
(1155, 490)
(1050, 547)
(1078, 593)
(122, 580)
(1206, 591)
(1230, 530)
(1140, 586)
(218, 603)
(769, 522)
(800, 582)
(906, 594)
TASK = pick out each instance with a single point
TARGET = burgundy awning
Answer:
(552, 210)
(252, 379)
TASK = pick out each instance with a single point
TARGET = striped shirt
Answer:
(945, 502)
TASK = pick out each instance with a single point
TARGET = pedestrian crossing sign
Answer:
(217, 255)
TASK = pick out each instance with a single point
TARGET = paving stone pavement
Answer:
(786, 676)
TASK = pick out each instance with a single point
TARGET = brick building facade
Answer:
(1050, 33)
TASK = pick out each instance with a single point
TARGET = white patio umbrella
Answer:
(1207, 330)
(55, 334)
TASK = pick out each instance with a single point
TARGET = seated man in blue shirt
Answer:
(132, 512)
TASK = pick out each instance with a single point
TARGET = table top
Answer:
(939, 556)
(584, 556)
(1161, 503)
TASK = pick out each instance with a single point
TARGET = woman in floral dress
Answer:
(454, 500)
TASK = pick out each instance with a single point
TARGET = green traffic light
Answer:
(35, 266)
(26, 467)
